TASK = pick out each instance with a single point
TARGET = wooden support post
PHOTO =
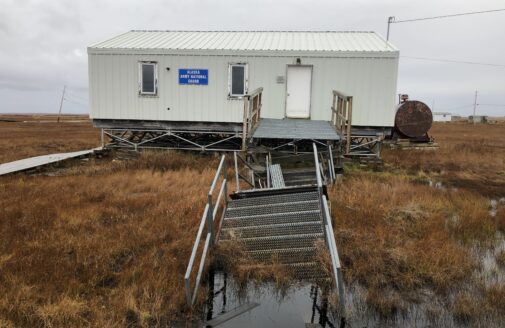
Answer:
(349, 124)
(244, 124)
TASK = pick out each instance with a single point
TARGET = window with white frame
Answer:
(148, 78)
(237, 80)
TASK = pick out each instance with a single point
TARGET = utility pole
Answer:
(61, 102)
(474, 106)
(391, 19)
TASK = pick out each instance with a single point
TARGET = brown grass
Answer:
(500, 258)
(470, 156)
(465, 308)
(393, 233)
(34, 135)
(231, 257)
(106, 244)
(398, 236)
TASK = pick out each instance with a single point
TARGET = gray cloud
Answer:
(43, 43)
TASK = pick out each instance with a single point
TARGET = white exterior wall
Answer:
(114, 87)
(442, 117)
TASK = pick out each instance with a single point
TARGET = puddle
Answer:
(437, 185)
(494, 204)
(491, 272)
(304, 305)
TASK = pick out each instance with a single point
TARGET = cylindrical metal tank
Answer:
(413, 118)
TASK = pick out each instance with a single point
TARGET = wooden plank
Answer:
(33, 162)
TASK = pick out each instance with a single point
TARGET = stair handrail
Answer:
(239, 176)
(329, 235)
(267, 166)
(335, 260)
(332, 164)
(208, 220)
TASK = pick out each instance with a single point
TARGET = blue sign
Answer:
(193, 76)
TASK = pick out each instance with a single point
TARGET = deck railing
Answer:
(341, 116)
(209, 221)
(329, 236)
(252, 113)
(255, 177)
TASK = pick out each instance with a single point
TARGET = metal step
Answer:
(280, 242)
(304, 173)
(272, 230)
(284, 255)
(304, 205)
(302, 270)
(300, 182)
(273, 199)
(269, 219)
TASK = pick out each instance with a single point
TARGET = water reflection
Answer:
(265, 305)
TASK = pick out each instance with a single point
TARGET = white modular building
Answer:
(198, 80)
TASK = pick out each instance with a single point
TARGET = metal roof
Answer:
(272, 41)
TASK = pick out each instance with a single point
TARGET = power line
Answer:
(453, 61)
(445, 16)
(76, 95)
(392, 19)
(72, 97)
(75, 102)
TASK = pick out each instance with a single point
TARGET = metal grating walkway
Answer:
(268, 128)
(276, 176)
(285, 227)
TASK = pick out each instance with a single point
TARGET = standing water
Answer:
(265, 305)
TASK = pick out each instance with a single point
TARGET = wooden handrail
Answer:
(252, 114)
(341, 116)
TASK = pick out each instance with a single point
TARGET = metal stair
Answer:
(299, 177)
(282, 228)
(283, 220)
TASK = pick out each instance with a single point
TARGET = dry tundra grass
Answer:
(36, 135)
(399, 236)
(106, 243)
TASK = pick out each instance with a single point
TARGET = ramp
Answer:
(33, 162)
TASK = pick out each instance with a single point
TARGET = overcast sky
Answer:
(43, 42)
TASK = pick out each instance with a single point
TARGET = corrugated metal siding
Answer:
(270, 41)
(114, 87)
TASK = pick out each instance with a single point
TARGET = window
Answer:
(237, 80)
(148, 78)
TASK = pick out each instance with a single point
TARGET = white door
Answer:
(299, 80)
